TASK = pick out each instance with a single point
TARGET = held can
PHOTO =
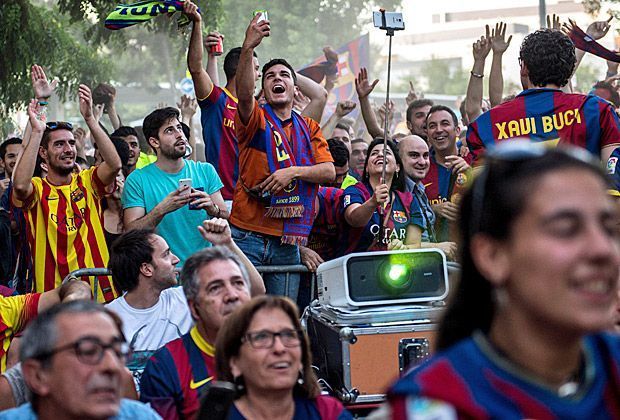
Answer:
(218, 48)
(263, 15)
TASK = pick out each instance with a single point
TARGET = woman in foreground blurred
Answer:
(263, 351)
(523, 336)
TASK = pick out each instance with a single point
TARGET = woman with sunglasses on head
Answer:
(263, 351)
(523, 336)
(379, 213)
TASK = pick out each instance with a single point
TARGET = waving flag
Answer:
(586, 43)
(351, 57)
(126, 15)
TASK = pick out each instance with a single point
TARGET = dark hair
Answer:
(153, 122)
(228, 343)
(124, 131)
(123, 151)
(127, 253)
(496, 199)
(398, 182)
(613, 93)
(275, 62)
(231, 62)
(343, 126)
(102, 93)
(339, 152)
(549, 57)
(3, 146)
(418, 103)
(186, 130)
(48, 131)
(437, 108)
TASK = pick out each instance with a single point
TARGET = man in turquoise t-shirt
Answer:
(153, 199)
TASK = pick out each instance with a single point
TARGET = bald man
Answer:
(414, 153)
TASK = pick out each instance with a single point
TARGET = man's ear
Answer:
(43, 153)
(146, 269)
(154, 143)
(192, 309)
(410, 126)
(36, 377)
(491, 258)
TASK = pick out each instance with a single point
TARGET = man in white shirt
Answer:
(153, 310)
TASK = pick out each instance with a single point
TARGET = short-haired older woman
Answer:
(264, 352)
(524, 334)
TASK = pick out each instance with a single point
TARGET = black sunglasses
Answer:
(515, 151)
(59, 125)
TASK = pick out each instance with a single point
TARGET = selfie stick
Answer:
(390, 33)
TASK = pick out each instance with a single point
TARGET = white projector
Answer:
(383, 278)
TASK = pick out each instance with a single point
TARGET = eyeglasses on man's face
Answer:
(90, 350)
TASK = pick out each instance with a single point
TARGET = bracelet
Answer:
(479, 76)
(610, 74)
(218, 211)
(42, 103)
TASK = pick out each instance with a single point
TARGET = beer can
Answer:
(218, 48)
(264, 15)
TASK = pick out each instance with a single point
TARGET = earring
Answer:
(239, 383)
(300, 380)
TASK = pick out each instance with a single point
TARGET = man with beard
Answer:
(153, 197)
(63, 210)
(215, 282)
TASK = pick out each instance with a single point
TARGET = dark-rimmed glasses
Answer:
(59, 125)
(90, 350)
(265, 339)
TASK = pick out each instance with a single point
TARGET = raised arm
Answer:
(202, 82)
(364, 88)
(317, 95)
(244, 78)
(342, 109)
(24, 167)
(217, 231)
(480, 50)
(108, 169)
(358, 215)
(212, 39)
(499, 45)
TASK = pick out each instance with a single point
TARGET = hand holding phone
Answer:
(185, 183)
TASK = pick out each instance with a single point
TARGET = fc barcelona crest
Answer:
(77, 195)
(399, 216)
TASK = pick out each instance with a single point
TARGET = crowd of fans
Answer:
(275, 187)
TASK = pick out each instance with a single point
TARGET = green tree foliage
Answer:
(34, 34)
(300, 29)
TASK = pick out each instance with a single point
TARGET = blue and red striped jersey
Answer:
(548, 115)
(176, 376)
(217, 115)
(327, 226)
(470, 380)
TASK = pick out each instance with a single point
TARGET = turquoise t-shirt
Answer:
(148, 186)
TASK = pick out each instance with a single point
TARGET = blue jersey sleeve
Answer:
(133, 194)
(160, 386)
